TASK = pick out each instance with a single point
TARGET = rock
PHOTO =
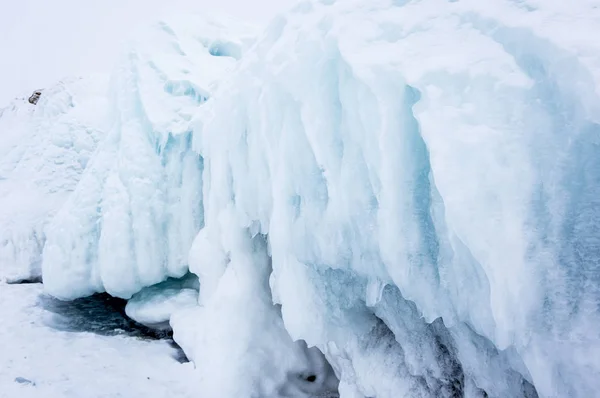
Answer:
(35, 97)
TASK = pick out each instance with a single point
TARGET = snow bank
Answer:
(44, 149)
(425, 173)
(131, 220)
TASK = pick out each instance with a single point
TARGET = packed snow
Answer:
(392, 199)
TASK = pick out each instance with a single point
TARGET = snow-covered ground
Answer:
(41, 358)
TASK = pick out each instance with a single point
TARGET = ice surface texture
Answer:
(413, 183)
(427, 176)
(130, 222)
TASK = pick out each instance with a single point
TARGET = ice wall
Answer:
(131, 220)
(425, 173)
(44, 149)
(408, 187)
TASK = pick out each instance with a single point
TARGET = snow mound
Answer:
(44, 150)
(426, 175)
(131, 220)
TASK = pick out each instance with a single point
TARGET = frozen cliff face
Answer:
(426, 175)
(44, 149)
(131, 220)
(380, 199)
(129, 225)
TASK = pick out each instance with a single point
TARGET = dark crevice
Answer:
(24, 281)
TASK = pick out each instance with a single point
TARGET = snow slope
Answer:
(43, 152)
(409, 186)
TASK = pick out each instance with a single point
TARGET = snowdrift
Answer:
(390, 199)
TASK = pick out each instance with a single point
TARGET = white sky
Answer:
(42, 41)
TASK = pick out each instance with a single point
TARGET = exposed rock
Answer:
(35, 97)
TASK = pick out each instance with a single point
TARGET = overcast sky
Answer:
(42, 41)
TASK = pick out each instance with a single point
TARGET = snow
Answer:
(388, 199)
(39, 360)
(44, 150)
(42, 42)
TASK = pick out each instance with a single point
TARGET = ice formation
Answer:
(426, 174)
(131, 220)
(238, 341)
(384, 199)
(43, 152)
(155, 305)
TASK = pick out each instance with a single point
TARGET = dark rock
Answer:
(35, 97)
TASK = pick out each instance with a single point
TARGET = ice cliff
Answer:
(381, 199)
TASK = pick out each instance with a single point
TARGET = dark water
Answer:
(101, 314)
